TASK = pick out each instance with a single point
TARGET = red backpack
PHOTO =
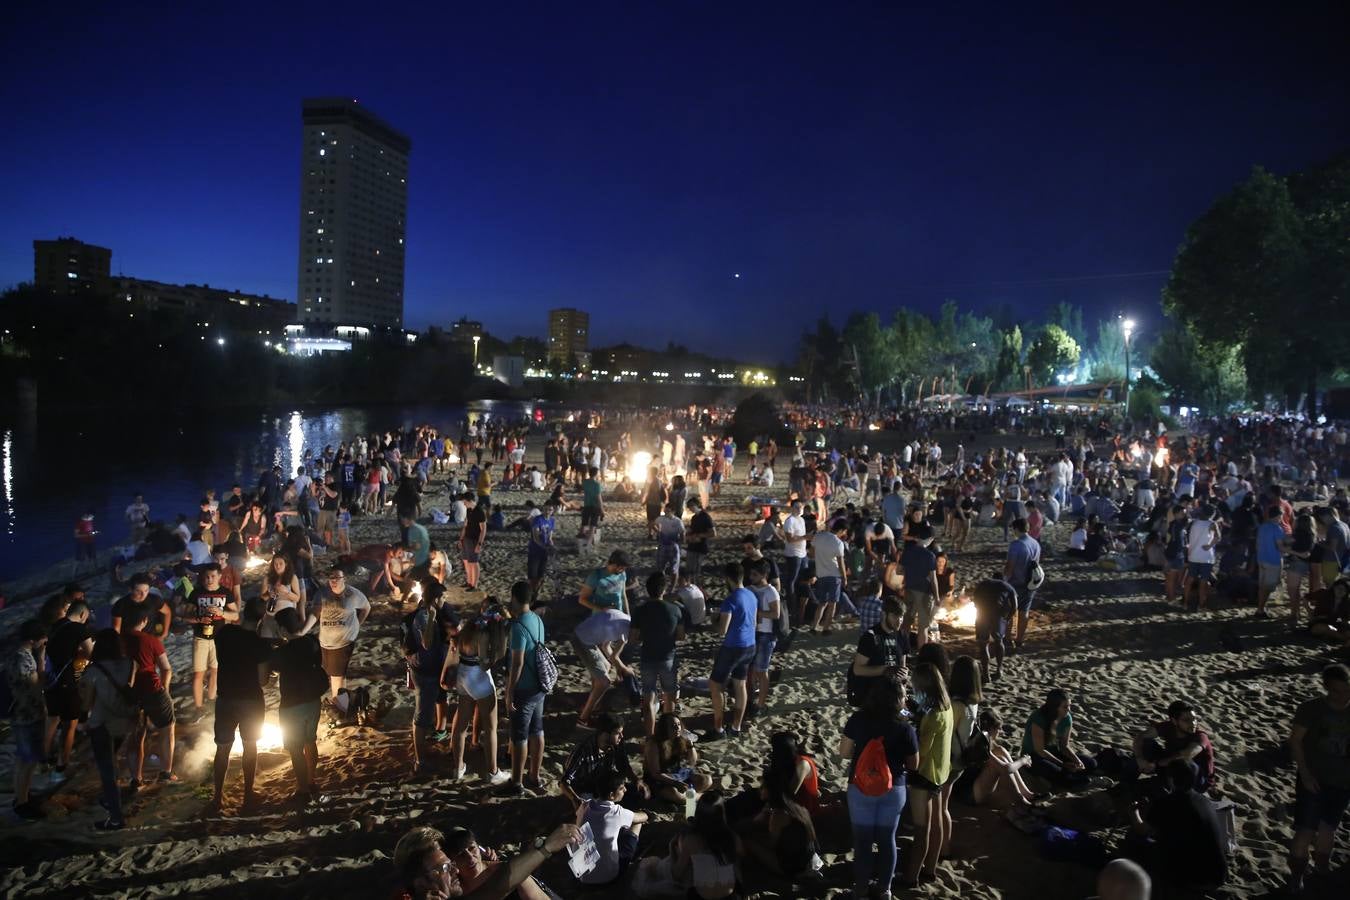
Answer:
(872, 774)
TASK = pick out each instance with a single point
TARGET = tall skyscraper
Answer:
(353, 214)
(569, 332)
(68, 266)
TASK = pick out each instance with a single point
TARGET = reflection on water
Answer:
(54, 468)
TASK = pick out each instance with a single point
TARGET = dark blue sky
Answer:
(630, 158)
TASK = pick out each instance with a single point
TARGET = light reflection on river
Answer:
(54, 468)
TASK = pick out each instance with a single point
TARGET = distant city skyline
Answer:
(707, 175)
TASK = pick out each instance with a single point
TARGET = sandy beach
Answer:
(1106, 637)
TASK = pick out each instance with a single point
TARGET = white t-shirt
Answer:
(828, 549)
(766, 477)
(794, 526)
(459, 513)
(1078, 540)
(767, 595)
(200, 553)
(607, 819)
(1197, 536)
(693, 600)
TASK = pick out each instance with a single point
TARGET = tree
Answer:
(1108, 353)
(820, 359)
(1052, 352)
(1265, 269)
(873, 350)
(1069, 317)
(1008, 366)
(914, 343)
(1211, 378)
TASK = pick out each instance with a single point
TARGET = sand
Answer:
(1106, 637)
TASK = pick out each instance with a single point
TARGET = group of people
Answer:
(857, 540)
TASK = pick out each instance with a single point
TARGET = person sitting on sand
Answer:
(1329, 611)
(670, 760)
(426, 872)
(1178, 836)
(999, 777)
(615, 829)
(1176, 739)
(476, 864)
(594, 757)
(781, 837)
(1048, 740)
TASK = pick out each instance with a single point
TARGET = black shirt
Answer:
(701, 522)
(656, 621)
(208, 603)
(299, 666)
(994, 599)
(240, 652)
(898, 737)
(64, 640)
(1190, 840)
(124, 607)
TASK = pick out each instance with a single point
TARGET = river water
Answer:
(54, 468)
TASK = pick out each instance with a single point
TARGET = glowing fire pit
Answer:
(268, 742)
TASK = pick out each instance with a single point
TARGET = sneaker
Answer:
(57, 776)
(498, 778)
(514, 789)
(440, 737)
(110, 825)
(732, 733)
(714, 734)
(533, 784)
(459, 773)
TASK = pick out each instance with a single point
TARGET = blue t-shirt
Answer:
(1186, 480)
(1023, 552)
(607, 589)
(1268, 538)
(743, 608)
(893, 511)
(527, 632)
(541, 533)
(420, 542)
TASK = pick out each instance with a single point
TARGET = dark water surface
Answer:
(55, 466)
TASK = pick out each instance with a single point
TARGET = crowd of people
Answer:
(852, 537)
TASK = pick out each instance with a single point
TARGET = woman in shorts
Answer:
(479, 645)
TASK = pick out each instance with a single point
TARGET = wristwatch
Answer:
(539, 843)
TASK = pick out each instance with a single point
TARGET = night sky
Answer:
(629, 159)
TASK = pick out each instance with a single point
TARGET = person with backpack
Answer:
(1020, 569)
(527, 688)
(882, 749)
(933, 708)
(425, 634)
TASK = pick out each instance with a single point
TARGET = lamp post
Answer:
(1127, 328)
(477, 338)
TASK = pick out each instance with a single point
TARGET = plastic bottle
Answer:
(690, 802)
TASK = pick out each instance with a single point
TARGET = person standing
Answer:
(701, 532)
(153, 675)
(828, 549)
(769, 609)
(1202, 537)
(995, 605)
(736, 624)
(1270, 542)
(658, 624)
(28, 716)
(921, 583)
(244, 667)
(425, 647)
(342, 611)
(138, 518)
(934, 709)
(70, 643)
(302, 683)
(210, 606)
(540, 549)
(471, 539)
(1318, 741)
(1024, 555)
(669, 530)
(112, 716)
(86, 535)
(525, 695)
(793, 536)
(876, 798)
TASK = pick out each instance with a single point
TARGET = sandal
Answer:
(110, 825)
(168, 778)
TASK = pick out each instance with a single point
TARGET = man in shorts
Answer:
(525, 693)
(598, 641)
(1024, 554)
(1319, 741)
(23, 673)
(153, 674)
(244, 666)
(995, 604)
(769, 606)
(669, 528)
(70, 643)
(1202, 539)
(342, 610)
(540, 548)
(302, 682)
(658, 627)
(921, 586)
(209, 606)
(1269, 558)
(736, 623)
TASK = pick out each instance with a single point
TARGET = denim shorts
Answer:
(765, 641)
(536, 564)
(827, 589)
(658, 673)
(732, 662)
(527, 716)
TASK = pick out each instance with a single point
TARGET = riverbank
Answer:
(1104, 636)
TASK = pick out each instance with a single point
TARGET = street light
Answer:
(476, 339)
(1127, 328)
